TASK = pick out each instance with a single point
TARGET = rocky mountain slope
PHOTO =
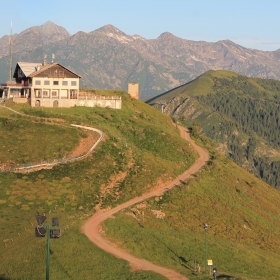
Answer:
(33, 38)
(109, 58)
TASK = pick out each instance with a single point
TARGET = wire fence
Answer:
(99, 97)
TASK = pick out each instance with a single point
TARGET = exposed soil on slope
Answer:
(93, 230)
(84, 145)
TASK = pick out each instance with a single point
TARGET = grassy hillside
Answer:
(241, 211)
(142, 148)
(240, 114)
(25, 140)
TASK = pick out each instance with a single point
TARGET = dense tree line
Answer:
(251, 109)
(250, 115)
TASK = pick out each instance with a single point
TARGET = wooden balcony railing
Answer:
(15, 85)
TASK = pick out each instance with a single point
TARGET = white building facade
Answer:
(51, 85)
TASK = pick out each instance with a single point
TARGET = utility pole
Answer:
(11, 46)
(52, 232)
(205, 226)
(48, 254)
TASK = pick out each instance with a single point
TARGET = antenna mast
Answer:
(11, 54)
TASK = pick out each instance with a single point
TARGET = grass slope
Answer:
(141, 149)
(19, 135)
(239, 113)
(243, 217)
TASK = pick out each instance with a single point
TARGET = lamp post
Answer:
(52, 232)
(205, 226)
(48, 253)
(215, 273)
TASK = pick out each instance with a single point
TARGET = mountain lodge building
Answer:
(51, 85)
(44, 85)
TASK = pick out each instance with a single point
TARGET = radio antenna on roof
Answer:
(45, 60)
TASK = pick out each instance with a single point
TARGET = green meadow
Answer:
(242, 214)
(25, 141)
(139, 142)
(141, 149)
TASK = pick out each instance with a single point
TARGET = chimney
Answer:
(45, 60)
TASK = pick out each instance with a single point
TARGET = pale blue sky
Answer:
(250, 23)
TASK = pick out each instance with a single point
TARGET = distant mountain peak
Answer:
(34, 37)
(137, 37)
(48, 23)
(230, 44)
(49, 27)
(227, 41)
(109, 28)
(113, 32)
(166, 35)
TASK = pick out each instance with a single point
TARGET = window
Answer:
(37, 82)
(37, 93)
(54, 93)
(46, 83)
(45, 93)
(61, 74)
(73, 83)
(73, 94)
(65, 83)
(55, 83)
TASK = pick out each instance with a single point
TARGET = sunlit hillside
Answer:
(240, 114)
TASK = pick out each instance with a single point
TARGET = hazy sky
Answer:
(250, 23)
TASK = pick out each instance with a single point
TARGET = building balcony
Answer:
(12, 84)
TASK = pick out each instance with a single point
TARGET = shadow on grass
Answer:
(2, 277)
(61, 268)
(223, 276)
(183, 262)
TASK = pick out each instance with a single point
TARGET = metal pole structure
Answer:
(205, 248)
(48, 254)
(51, 231)
(11, 62)
(205, 258)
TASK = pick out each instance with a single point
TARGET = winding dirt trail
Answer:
(92, 228)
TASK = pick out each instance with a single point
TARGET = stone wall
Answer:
(114, 102)
(20, 100)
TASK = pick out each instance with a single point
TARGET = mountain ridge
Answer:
(109, 58)
(36, 36)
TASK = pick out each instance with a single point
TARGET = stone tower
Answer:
(133, 90)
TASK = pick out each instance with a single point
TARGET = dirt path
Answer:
(92, 228)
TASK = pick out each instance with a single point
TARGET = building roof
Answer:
(28, 67)
(31, 69)
(43, 68)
